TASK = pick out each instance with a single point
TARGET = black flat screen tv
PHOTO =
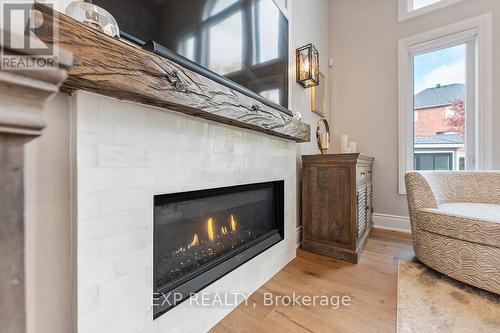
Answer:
(240, 43)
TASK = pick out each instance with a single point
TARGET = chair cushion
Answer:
(475, 211)
(472, 222)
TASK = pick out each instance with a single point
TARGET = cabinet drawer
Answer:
(363, 174)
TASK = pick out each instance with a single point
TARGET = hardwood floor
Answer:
(371, 286)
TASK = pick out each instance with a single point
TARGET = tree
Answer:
(456, 123)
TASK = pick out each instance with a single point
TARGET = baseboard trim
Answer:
(391, 222)
(298, 236)
(380, 221)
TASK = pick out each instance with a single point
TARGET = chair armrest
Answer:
(419, 192)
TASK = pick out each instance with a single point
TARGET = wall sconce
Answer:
(307, 66)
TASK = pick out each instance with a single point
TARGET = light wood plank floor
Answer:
(371, 285)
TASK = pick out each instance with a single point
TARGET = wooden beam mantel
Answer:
(110, 67)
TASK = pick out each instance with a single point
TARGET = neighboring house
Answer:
(437, 146)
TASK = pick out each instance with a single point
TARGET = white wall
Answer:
(309, 24)
(363, 37)
(49, 254)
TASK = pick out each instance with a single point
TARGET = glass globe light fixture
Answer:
(94, 16)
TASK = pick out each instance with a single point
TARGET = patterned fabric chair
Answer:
(455, 222)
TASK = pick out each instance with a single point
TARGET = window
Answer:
(241, 40)
(224, 56)
(417, 4)
(187, 47)
(461, 163)
(266, 34)
(223, 24)
(272, 95)
(439, 94)
(215, 7)
(445, 79)
(412, 8)
(434, 161)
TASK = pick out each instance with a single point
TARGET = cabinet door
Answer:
(326, 205)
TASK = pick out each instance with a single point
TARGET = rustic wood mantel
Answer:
(114, 68)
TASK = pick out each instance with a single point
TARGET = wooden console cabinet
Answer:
(336, 204)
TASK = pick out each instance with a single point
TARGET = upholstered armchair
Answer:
(455, 221)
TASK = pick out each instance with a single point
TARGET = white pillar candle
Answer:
(344, 143)
(352, 147)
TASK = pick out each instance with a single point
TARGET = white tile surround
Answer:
(126, 153)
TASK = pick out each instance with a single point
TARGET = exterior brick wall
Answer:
(430, 121)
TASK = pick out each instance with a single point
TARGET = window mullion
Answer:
(471, 115)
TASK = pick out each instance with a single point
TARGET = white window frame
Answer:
(406, 11)
(480, 85)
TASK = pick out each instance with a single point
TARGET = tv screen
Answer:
(245, 41)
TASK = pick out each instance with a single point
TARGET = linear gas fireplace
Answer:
(200, 236)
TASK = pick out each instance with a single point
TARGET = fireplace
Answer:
(200, 236)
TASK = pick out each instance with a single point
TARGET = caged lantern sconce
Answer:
(307, 66)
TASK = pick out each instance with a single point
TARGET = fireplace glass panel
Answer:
(196, 231)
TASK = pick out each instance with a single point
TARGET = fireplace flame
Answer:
(194, 242)
(211, 233)
(233, 223)
(210, 229)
